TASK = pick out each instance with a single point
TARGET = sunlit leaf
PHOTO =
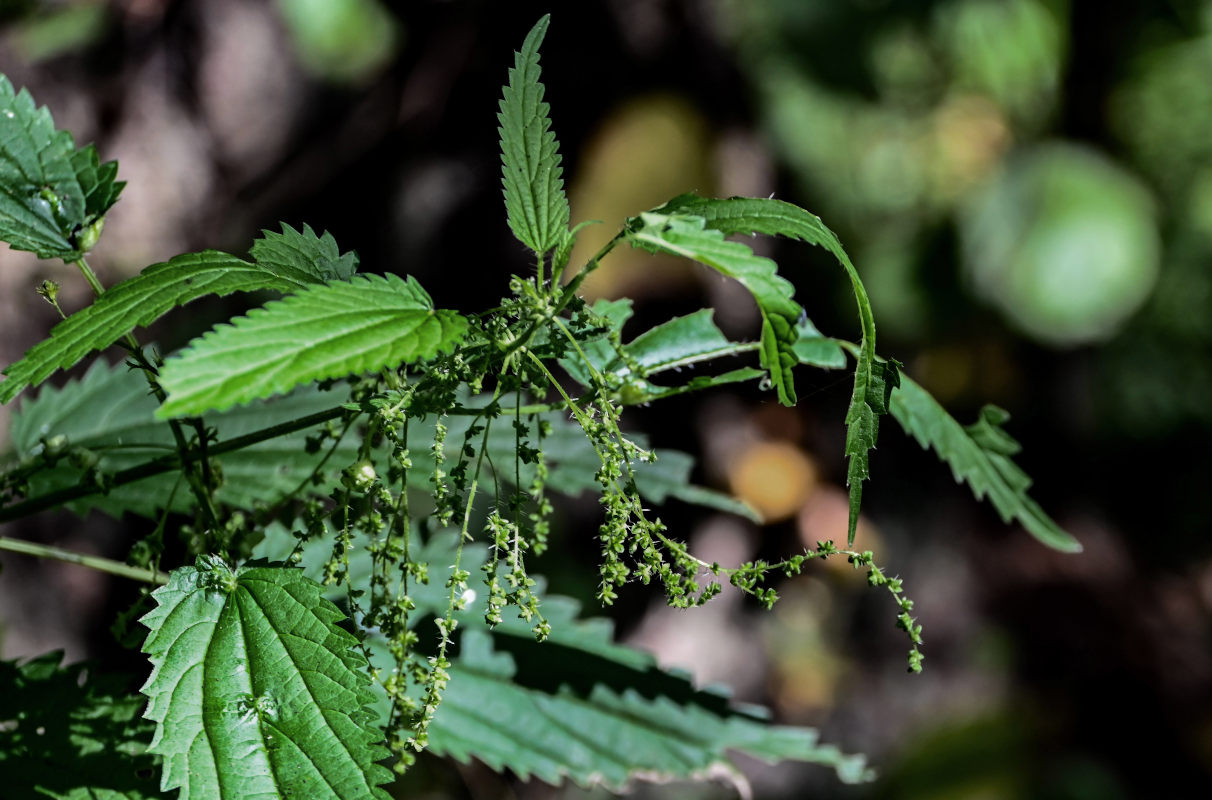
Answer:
(687, 236)
(283, 262)
(255, 690)
(329, 331)
(530, 158)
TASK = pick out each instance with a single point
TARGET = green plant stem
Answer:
(566, 295)
(164, 464)
(93, 562)
(199, 484)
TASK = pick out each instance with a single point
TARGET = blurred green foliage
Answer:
(344, 41)
(952, 124)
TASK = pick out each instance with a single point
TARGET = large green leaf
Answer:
(255, 690)
(284, 262)
(71, 734)
(329, 331)
(530, 158)
(110, 412)
(689, 237)
(597, 721)
(979, 455)
(584, 707)
(51, 194)
(871, 381)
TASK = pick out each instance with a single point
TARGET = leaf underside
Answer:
(531, 174)
(688, 236)
(49, 190)
(750, 215)
(283, 262)
(979, 455)
(330, 331)
(255, 690)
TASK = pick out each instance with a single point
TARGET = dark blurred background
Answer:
(1026, 188)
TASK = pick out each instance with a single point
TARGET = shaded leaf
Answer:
(70, 733)
(581, 706)
(979, 455)
(530, 160)
(255, 690)
(109, 412)
(816, 350)
(328, 331)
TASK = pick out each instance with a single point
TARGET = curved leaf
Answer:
(328, 331)
(688, 236)
(50, 192)
(979, 455)
(530, 158)
(776, 218)
(255, 690)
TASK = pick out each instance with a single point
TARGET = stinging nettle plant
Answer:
(362, 481)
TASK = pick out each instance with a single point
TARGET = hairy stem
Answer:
(84, 560)
(200, 484)
(164, 464)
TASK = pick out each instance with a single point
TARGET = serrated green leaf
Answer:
(284, 262)
(816, 350)
(138, 302)
(867, 404)
(70, 733)
(530, 160)
(305, 253)
(255, 690)
(49, 191)
(689, 237)
(777, 218)
(583, 707)
(110, 412)
(556, 727)
(979, 455)
(681, 342)
(329, 331)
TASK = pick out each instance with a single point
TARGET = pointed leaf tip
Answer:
(531, 173)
